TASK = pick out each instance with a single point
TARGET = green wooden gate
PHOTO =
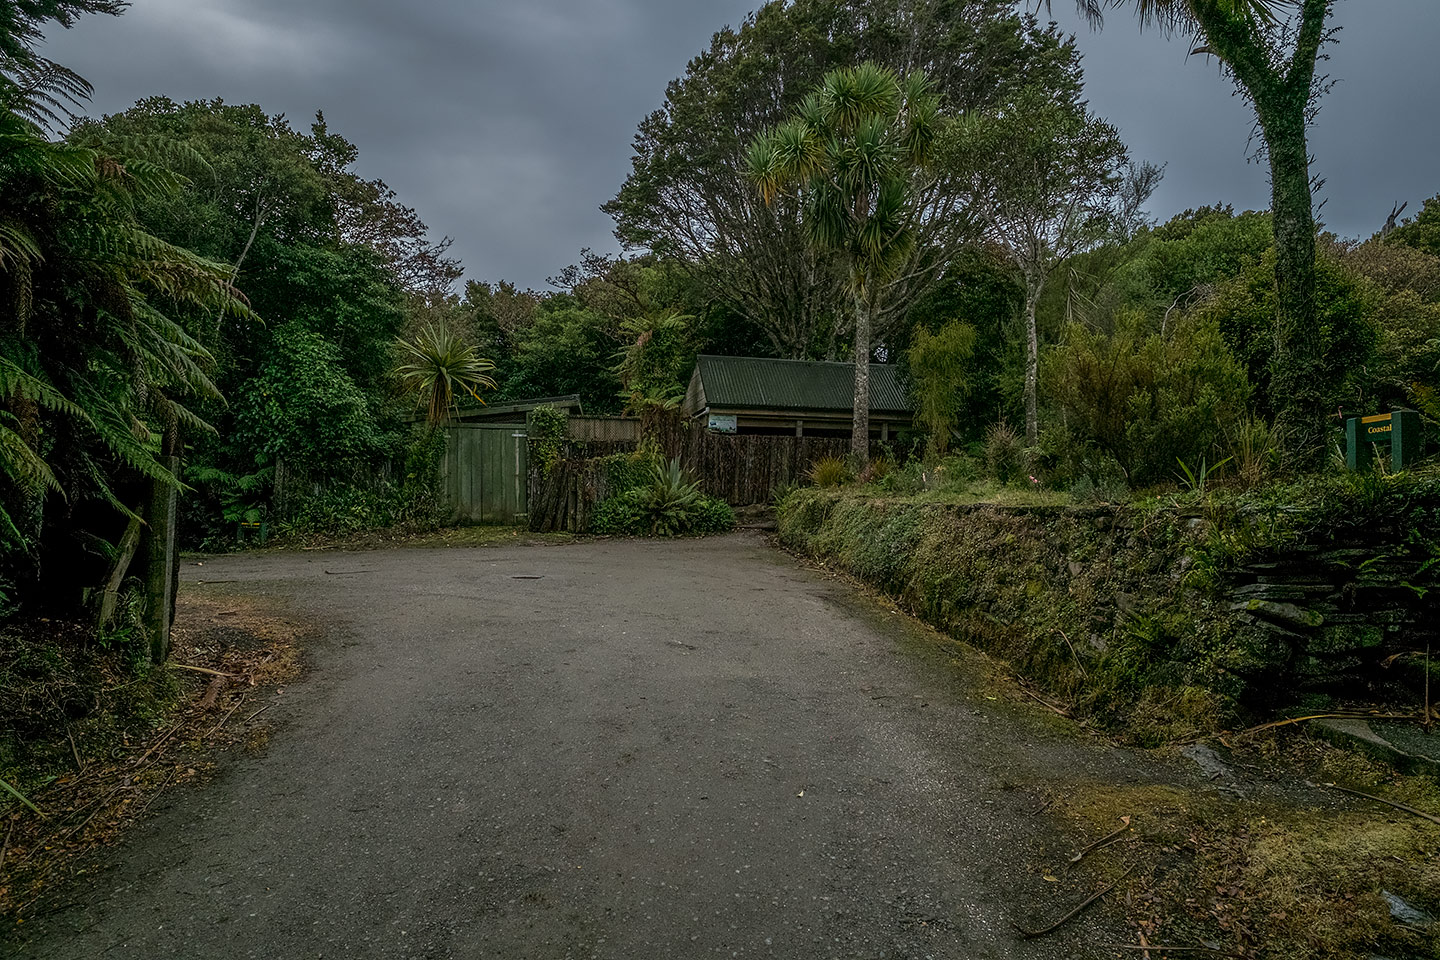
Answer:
(485, 472)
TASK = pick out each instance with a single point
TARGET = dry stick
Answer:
(1081, 666)
(258, 712)
(223, 719)
(79, 764)
(1390, 803)
(1041, 700)
(213, 673)
(5, 847)
(1325, 716)
(156, 745)
(1033, 934)
(1427, 685)
(1207, 950)
(1103, 841)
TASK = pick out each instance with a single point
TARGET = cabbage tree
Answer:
(852, 154)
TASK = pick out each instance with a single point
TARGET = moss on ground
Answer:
(1274, 876)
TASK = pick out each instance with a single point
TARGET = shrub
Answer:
(547, 428)
(830, 472)
(1149, 400)
(939, 364)
(876, 470)
(1004, 453)
(669, 504)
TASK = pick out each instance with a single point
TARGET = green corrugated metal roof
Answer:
(759, 383)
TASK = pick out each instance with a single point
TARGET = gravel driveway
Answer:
(615, 749)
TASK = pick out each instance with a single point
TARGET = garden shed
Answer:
(757, 395)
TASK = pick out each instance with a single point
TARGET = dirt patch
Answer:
(231, 656)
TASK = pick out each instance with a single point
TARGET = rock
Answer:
(1286, 613)
(1403, 913)
(1208, 761)
(1359, 733)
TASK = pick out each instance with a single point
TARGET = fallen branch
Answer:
(1325, 716)
(258, 712)
(1033, 934)
(79, 764)
(1211, 951)
(1102, 842)
(158, 743)
(217, 726)
(213, 673)
(1083, 674)
(1041, 700)
(1389, 803)
(5, 847)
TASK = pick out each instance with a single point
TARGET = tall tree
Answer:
(1270, 49)
(1047, 181)
(851, 157)
(687, 198)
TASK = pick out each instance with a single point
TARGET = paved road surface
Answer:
(617, 750)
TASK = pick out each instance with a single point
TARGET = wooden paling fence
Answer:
(740, 470)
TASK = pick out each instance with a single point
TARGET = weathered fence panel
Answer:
(605, 429)
(740, 470)
(485, 471)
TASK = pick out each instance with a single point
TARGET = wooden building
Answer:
(754, 395)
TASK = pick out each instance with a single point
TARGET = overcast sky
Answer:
(506, 123)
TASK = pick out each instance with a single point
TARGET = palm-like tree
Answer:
(1270, 47)
(439, 368)
(853, 152)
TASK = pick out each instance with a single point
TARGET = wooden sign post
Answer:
(1398, 432)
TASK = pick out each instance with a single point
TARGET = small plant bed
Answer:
(93, 736)
(653, 497)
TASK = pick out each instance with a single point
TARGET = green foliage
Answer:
(666, 504)
(566, 349)
(439, 368)
(654, 364)
(1004, 453)
(1245, 309)
(304, 408)
(756, 261)
(547, 428)
(1048, 180)
(939, 371)
(98, 376)
(1149, 400)
(830, 472)
(1422, 231)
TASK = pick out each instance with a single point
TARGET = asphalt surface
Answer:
(616, 749)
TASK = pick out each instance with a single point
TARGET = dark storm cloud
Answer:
(506, 124)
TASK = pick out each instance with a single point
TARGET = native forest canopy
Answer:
(213, 325)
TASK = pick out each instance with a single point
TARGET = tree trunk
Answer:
(1033, 288)
(860, 428)
(1298, 384)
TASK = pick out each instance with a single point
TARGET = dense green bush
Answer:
(1244, 312)
(667, 503)
(1148, 400)
(304, 408)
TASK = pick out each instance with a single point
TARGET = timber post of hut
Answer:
(797, 398)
